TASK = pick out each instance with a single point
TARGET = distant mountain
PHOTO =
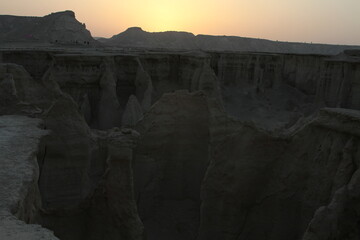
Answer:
(137, 38)
(60, 27)
(64, 28)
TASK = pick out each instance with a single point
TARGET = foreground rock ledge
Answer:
(19, 193)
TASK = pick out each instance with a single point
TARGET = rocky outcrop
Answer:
(58, 28)
(19, 193)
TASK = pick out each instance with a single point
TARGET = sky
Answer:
(317, 21)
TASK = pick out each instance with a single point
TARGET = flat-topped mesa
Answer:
(55, 28)
(66, 12)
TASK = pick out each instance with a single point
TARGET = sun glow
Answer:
(167, 15)
(164, 18)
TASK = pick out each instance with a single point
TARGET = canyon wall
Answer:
(189, 145)
(272, 90)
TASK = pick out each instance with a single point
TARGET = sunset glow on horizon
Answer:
(323, 21)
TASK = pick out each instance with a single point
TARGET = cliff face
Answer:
(277, 88)
(339, 82)
(61, 27)
(271, 90)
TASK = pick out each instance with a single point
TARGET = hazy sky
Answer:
(325, 21)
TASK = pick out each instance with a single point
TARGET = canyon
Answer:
(104, 142)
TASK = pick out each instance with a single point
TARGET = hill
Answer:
(135, 37)
(60, 27)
